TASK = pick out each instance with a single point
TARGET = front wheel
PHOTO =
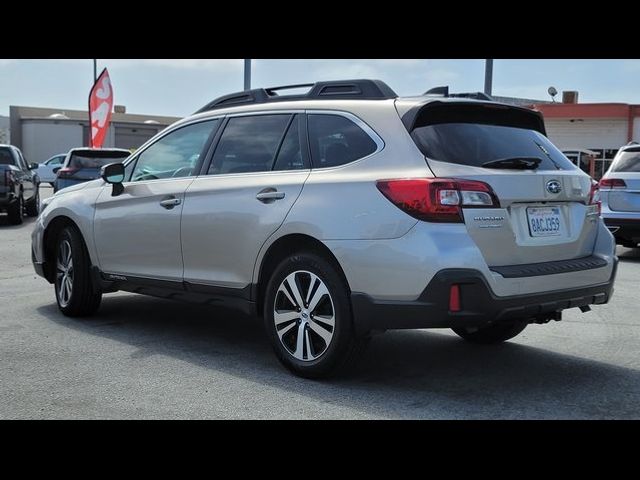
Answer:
(75, 294)
(307, 314)
(496, 333)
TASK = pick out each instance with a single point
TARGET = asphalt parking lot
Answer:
(141, 357)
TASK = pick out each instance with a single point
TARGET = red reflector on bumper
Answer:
(454, 298)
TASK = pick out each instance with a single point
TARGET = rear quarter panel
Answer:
(343, 203)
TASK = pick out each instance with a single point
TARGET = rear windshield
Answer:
(475, 144)
(97, 160)
(628, 161)
(5, 157)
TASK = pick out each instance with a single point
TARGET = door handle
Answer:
(170, 202)
(268, 195)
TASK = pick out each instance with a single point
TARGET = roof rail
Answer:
(444, 92)
(361, 89)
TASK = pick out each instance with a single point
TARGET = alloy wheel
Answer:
(304, 315)
(64, 273)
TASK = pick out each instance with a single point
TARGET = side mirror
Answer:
(113, 173)
(33, 166)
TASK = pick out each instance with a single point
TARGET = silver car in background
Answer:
(336, 214)
(620, 196)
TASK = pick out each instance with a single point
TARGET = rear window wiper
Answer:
(515, 163)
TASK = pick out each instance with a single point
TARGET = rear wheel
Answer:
(33, 206)
(492, 334)
(307, 314)
(16, 211)
(75, 294)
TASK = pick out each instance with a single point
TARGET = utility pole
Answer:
(247, 74)
(488, 76)
(95, 70)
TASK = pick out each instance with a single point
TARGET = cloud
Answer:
(440, 75)
(535, 92)
(344, 69)
(631, 66)
(226, 64)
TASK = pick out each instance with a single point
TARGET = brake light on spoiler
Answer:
(437, 199)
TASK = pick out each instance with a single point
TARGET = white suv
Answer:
(339, 213)
(620, 196)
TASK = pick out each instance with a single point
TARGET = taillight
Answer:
(612, 183)
(8, 178)
(66, 172)
(454, 298)
(594, 197)
(437, 199)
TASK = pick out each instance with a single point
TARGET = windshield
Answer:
(5, 157)
(87, 160)
(476, 144)
(627, 162)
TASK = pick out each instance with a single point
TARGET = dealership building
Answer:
(43, 132)
(601, 128)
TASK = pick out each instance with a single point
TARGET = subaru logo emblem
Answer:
(553, 186)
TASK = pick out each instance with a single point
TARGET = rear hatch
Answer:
(621, 184)
(85, 165)
(542, 210)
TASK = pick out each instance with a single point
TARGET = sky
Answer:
(180, 87)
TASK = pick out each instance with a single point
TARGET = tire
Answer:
(33, 206)
(74, 290)
(16, 211)
(492, 334)
(329, 343)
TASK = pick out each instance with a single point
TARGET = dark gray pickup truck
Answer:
(19, 185)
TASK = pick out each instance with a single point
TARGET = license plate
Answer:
(544, 221)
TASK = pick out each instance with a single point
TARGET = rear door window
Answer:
(249, 144)
(627, 161)
(290, 153)
(336, 140)
(475, 144)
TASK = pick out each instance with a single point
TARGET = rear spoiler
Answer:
(432, 112)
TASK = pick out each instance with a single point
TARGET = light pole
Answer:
(247, 74)
(488, 76)
(95, 70)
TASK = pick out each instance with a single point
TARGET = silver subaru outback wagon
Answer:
(336, 214)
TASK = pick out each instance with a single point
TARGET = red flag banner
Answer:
(100, 108)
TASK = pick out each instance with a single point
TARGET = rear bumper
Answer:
(624, 229)
(480, 306)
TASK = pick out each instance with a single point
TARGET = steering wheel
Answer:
(182, 172)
